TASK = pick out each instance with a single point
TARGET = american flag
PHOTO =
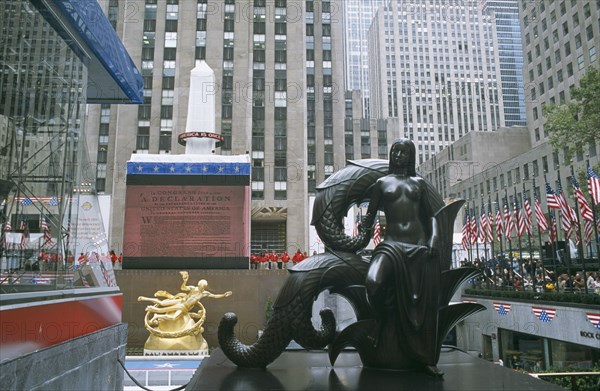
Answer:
(473, 228)
(518, 213)
(502, 308)
(466, 231)
(26, 201)
(584, 207)
(544, 314)
(46, 231)
(566, 218)
(7, 227)
(356, 223)
(377, 233)
(484, 226)
(593, 185)
(528, 213)
(539, 215)
(594, 318)
(553, 234)
(25, 237)
(551, 198)
(509, 223)
(499, 222)
(490, 221)
(588, 230)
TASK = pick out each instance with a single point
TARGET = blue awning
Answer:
(112, 75)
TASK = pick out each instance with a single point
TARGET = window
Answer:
(577, 41)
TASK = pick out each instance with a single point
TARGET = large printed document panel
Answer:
(195, 216)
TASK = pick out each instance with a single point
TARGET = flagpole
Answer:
(511, 272)
(483, 229)
(476, 233)
(595, 225)
(578, 228)
(565, 234)
(539, 235)
(555, 240)
(499, 232)
(490, 224)
(519, 218)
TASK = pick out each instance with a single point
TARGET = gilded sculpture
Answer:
(175, 321)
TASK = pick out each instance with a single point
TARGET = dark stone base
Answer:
(303, 370)
(84, 363)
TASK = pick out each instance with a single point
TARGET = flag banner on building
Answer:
(469, 301)
(499, 225)
(542, 223)
(551, 198)
(545, 314)
(594, 318)
(25, 237)
(593, 185)
(356, 224)
(26, 201)
(584, 208)
(377, 233)
(502, 308)
(46, 231)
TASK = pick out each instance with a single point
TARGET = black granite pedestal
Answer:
(303, 370)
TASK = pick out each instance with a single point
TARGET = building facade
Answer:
(278, 68)
(435, 67)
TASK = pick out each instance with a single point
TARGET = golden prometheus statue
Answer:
(174, 326)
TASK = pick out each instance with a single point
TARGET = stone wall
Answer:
(84, 363)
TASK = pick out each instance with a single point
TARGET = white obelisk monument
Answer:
(200, 137)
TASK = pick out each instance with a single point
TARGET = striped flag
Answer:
(588, 231)
(594, 318)
(545, 314)
(377, 233)
(499, 223)
(584, 208)
(488, 230)
(356, 223)
(25, 236)
(566, 218)
(473, 229)
(46, 230)
(466, 231)
(502, 308)
(7, 226)
(593, 185)
(539, 215)
(553, 233)
(551, 198)
(509, 223)
(528, 214)
(518, 213)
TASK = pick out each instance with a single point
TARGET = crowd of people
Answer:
(275, 260)
(513, 273)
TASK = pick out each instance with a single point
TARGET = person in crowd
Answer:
(285, 258)
(113, 257)
(298, 257)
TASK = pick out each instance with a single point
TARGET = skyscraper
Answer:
(277, 64)
(434, 66)
(505, 14)
(358, 15)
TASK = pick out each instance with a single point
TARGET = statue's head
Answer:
(202, 284)
(403, 155)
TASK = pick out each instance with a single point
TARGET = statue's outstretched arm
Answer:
(217, 296)
(185, 276)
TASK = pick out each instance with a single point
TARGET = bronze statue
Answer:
(172, 323)
(400, 295)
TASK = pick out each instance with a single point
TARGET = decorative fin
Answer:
(356, 335)
(451, 280)
(450, 315)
